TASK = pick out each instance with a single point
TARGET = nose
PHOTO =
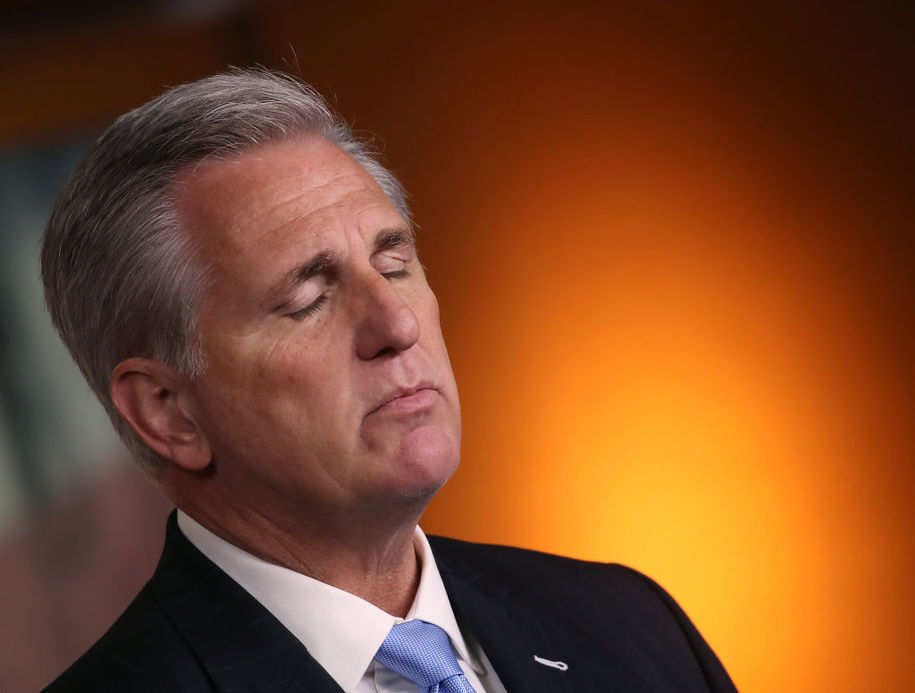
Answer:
(386, 323)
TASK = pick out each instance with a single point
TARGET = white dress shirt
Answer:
(340, 630)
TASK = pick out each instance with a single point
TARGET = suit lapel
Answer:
(238, 642)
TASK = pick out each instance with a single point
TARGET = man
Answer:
(237, 278)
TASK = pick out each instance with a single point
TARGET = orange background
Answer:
(674, 255)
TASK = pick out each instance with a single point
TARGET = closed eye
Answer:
(315, 305)
(396, 274)
(308, 310)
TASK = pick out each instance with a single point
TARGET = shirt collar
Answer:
(432, 605)
(340, 630)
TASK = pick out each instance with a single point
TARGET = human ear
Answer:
(152, 397)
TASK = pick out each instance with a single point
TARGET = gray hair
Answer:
(121, 279)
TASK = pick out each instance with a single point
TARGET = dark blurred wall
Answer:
(673, 248)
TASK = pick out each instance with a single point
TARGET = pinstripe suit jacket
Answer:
(193, 629)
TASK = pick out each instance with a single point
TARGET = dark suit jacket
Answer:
(192, 628)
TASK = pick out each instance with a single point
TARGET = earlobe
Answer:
(151, 397)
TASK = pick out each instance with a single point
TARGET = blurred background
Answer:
(673, 246)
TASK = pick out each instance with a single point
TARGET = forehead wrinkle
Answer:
(303, 200)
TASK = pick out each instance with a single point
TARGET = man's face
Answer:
(328, 386)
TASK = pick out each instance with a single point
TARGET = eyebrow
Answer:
(392, 238)
(316, 265)
(384, 239)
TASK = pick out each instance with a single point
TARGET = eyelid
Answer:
(383, 261)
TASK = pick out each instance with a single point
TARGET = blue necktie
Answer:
(421, 653)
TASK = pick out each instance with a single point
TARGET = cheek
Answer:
(304, 383)
(244, 383)
(425, 307)
(287, 358)
(431, 326)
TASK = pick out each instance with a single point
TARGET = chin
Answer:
(414, 495)
(429, 456)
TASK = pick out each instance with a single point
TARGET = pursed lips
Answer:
(407, 399)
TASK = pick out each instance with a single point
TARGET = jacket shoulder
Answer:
(598, 593)
(532, 567)
(141, 652)
(610, 602)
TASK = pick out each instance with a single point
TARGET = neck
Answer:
(374, 559)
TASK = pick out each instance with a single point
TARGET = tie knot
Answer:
(421, 652)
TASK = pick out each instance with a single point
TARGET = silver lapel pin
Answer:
(562, 666)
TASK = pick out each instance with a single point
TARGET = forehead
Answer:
(277, 198)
